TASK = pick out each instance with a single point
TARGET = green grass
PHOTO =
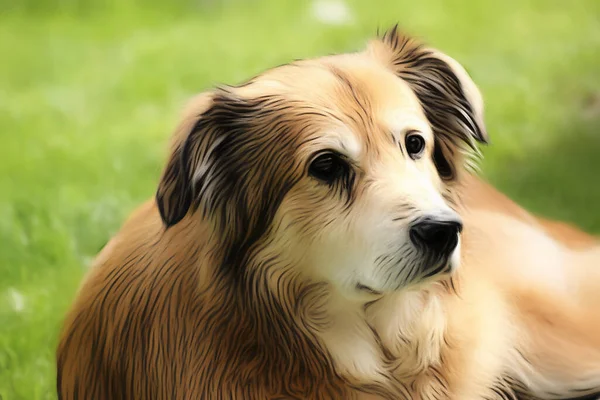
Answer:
(89, 93)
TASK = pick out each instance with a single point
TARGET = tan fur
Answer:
(240, 280)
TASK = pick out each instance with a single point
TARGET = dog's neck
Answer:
(399, 335)
(411, 327)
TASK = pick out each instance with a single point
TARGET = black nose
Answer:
(439, 235)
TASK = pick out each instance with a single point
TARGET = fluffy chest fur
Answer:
(416, 345)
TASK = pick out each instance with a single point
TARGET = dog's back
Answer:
(118, 338)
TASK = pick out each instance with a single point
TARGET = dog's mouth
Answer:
(436, 273)
(365, 289)
(441, 269)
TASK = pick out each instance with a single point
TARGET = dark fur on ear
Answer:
(174, 195)
(202, 169)
(191, 160)
(446, 95)
(234, 165)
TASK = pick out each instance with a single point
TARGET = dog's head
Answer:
(339, 169)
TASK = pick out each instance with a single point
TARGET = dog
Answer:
(319, 232)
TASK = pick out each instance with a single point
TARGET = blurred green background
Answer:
(89, 92)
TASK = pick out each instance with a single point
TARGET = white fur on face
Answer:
(366, 244)
(371, 246)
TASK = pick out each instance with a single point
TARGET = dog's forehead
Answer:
(344, 85)
(374, 80)
(391, 102)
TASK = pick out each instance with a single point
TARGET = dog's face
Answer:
(338, 169)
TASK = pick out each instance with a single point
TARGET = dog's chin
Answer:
(432, 275)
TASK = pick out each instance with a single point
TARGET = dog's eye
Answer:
(328, 167)
(415, 144)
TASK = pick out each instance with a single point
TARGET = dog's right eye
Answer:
(328, 167)
(415, 144)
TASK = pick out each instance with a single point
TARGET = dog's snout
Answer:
(436, 234)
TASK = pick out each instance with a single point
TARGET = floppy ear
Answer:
(451, 101)
(174, 194)
(471, 94)
(232, 159)
(199, 170)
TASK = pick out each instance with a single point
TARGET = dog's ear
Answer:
(196, 172)
(450, 99)
(233, 161)
(174, 194)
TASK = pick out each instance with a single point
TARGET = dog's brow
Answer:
(344, 141)
(360, 97)
(398, 123)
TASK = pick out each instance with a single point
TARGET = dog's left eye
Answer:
(415, 144)
(328, 167)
